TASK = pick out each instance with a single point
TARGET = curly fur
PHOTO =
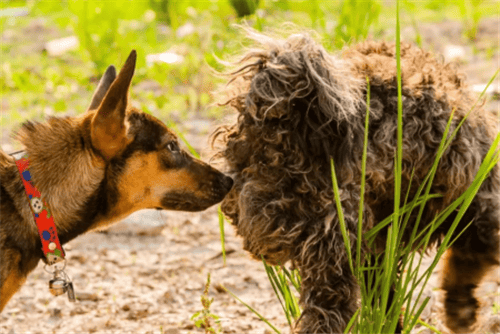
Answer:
(297, 107)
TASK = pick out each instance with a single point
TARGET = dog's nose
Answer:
(228, 182)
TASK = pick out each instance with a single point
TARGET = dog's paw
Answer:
(461, 312)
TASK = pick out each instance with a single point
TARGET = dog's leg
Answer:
(470, 259)
(329, 301)
(330, 291)
(462, 274)
(11, 277)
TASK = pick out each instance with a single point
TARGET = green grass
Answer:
(205, 318)
(253, 310)
(282, 280)
(222, 234)
(495, 309)
(375, 315)
(355, 20)
(35, 85)
(470, 11)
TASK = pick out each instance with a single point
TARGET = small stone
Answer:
(81, 296)
(185, 30)
(78, 310)
(491, 90)
(454, 52)
(165, 57)
(14, 12)
(60, 46)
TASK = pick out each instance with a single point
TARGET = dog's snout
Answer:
(227, 182)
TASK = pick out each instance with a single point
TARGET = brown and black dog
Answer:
(94, 170)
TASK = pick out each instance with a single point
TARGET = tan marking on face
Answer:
(144, 183)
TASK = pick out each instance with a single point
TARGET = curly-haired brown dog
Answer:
(298, 106)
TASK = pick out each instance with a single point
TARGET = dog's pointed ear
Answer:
(104, 84)
(109, 130)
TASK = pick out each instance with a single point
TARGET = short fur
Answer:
(93, 170)
(298, 106)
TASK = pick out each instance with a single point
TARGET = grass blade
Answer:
(253, 310)
(363, 180)
(191, 149)
(351, 322)
(222, 235)
(340, 215)
(275, 285)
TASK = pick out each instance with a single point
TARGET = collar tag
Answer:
(51, 246)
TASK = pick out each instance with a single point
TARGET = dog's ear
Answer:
(106, 81)
(109, 130)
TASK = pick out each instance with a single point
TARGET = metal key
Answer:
(71, 291)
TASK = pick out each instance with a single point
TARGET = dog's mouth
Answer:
(198, 200)
(195, 204)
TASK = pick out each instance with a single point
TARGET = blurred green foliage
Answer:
(471, 15)
(110, 26)
(355, 20)
(35, 84)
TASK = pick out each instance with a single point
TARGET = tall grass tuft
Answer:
(316, 14)
(276, 330)
(281, 279)
(378, 275)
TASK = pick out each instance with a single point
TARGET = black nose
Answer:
(228, 182)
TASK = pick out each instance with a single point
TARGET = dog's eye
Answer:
(173, 147)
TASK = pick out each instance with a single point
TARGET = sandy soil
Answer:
(146, 275)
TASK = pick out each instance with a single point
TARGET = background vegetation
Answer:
(35, 84)
(178, 86)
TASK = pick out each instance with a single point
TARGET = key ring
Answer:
(60, 283)
(55, 267)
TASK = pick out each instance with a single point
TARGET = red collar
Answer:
(44, 220)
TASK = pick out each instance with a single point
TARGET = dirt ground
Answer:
(146, 275)
(149, 283)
